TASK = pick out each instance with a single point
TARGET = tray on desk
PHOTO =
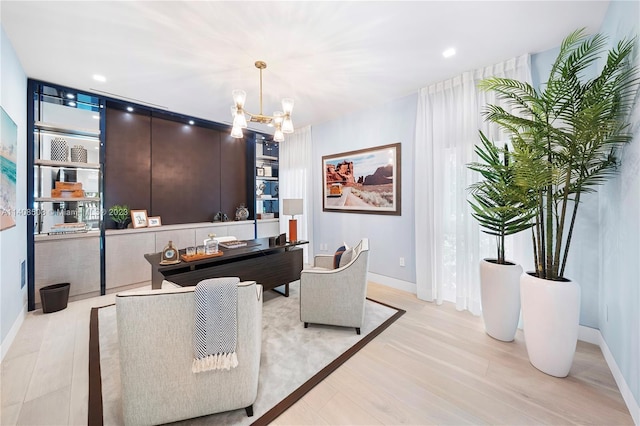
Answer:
(186, 258)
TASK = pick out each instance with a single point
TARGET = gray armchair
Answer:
(335, 296)
(155, 333)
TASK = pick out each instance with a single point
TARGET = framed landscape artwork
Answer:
(8, 163)
(363, 181)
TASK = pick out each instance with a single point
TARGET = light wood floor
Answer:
(433, 366)
(436, 365)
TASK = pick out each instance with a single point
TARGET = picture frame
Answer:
(139, 218)
(365, 181)
(259, 171)
(154, 221)
(9, 170)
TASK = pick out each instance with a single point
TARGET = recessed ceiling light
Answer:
(130, 109)
(191, 122)
(449, 52)
(70, 95)
(100, 78)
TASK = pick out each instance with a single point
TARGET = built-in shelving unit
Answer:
(119, 168)
(65, 190)
(267, 188)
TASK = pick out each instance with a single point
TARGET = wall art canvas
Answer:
(8, 166)
(363, 181)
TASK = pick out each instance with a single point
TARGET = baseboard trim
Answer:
(593, 335)
(392, 282)
(589, 335)
(13, 332)
(627, 395)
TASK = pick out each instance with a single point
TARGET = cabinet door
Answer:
(128, 167)
(125, 262)
(185, 170)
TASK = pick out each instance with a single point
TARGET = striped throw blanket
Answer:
(215, 326)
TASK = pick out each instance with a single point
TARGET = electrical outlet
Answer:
(402, 261)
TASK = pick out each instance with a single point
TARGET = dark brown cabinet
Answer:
(180, 172)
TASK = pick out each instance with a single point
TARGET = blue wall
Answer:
(13, 244)
(607, 263)
(391, 237)
(619, 301)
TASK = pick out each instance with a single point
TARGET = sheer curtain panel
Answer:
(449, 244)
(295, 181)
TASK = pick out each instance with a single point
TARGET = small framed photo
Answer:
(259, 171)
(154, 221)
(139, 218)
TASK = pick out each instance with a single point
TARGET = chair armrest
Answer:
(323, 261)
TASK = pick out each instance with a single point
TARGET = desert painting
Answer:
(364, 181)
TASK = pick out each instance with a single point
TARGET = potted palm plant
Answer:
(502, 208)
(566, 137)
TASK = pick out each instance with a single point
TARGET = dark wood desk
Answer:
(269, 266)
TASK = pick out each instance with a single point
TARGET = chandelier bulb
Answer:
(239, 97)
(287, 125)
(278, 136)
(287, 105)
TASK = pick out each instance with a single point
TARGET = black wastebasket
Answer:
(54, 297)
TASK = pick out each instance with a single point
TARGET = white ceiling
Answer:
(331, 57)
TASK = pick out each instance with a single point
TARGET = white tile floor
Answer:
(45, 375)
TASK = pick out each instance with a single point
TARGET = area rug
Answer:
(293, 359)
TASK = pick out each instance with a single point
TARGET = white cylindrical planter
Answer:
(551, 315)
(500, 293)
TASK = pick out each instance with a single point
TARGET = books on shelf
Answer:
(233, 244)
(68, 228)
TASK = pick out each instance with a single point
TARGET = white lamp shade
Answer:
(240, 121)
(292, 207)
(239, 96)
(287, 125)
(287, 105)
(236, 132)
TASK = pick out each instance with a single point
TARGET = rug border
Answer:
(95, 411)
(303, 389)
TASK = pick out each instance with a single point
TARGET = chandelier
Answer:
(281, 120)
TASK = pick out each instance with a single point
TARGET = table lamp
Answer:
(292, 207)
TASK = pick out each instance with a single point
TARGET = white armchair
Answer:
(155, 333)
(335, 296)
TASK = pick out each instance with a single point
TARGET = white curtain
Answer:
(449, 244)
(295, 182)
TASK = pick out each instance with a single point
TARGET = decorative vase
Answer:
(550, 315)
(242, 213)
(500, 294)
(79, 154)
(59, 150)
